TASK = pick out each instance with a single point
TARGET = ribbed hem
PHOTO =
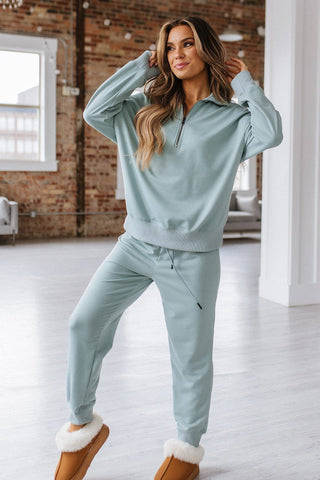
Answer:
(174, 239)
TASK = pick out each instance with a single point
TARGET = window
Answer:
(11, 123)
(246, 175)
(10, 146)
(20, 123)
(27, 103)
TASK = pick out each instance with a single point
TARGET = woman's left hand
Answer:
(235, 66)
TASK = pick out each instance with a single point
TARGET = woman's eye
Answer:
(186, 44)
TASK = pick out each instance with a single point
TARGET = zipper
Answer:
(179, 133)
(183, 121)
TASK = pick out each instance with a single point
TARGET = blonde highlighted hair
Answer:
(165, 91)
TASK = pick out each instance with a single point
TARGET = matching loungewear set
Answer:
(176, 212)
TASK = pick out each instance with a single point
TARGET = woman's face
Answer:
(182, 54)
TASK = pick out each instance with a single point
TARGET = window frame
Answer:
(47, 49)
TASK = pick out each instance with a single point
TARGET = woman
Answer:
(180, 144)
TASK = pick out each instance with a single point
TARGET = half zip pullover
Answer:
(182, 200)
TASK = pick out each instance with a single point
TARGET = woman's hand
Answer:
(235, 66)
(153, 59)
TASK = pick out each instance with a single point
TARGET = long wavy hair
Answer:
(165, 91)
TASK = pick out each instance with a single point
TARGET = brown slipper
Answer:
(181, 462)
(78, 448)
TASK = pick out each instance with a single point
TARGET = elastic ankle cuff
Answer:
(73, 441)
(81, 415)
(183, 451)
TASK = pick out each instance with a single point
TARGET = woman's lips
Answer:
(179, 66)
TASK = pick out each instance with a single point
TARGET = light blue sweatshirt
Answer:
(181, 202)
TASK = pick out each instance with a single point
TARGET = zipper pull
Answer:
(179, 133)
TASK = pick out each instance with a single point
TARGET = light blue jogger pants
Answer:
(188, 283)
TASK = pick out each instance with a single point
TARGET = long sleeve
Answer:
(110, 97)
(264, 127)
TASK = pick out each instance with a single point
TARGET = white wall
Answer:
(290, 238)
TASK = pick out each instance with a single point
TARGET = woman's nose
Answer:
(178, 52)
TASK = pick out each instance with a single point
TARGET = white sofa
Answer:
(8, 218)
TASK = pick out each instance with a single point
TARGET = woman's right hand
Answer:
(153, 59)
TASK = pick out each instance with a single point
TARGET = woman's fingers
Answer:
(233, 71)
(153, 59)
(236, 64)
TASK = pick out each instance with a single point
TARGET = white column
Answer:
(290, 236)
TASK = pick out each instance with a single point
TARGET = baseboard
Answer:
(289, 295)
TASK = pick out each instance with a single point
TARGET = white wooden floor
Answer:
(265, 418)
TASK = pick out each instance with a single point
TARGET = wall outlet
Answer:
(75, 91)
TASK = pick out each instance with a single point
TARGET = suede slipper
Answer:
(78, 448)
(181, 462)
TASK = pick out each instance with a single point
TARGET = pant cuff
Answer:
(190, 436)
(82, 415)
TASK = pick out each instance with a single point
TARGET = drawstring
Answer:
(173, 266)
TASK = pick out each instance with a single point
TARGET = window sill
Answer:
(28, 166)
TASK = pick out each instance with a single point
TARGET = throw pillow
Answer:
(248, 202)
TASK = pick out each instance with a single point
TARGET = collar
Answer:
(212, 98)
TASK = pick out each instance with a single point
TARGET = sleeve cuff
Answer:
(143, 63)
(242, 81)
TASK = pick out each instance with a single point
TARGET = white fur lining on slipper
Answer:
(73, 441)
(183, 451)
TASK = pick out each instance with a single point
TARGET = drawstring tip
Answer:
(171, 266)
(199, 305)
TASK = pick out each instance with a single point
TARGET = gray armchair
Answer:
(244, 212)
(8, 218)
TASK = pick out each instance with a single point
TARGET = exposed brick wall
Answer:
(105, 50)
